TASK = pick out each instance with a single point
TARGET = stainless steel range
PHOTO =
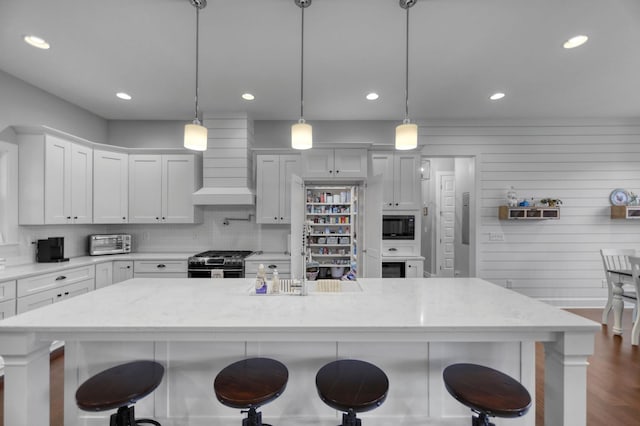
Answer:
(229, 262)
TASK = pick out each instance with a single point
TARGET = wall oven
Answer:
(398, 227)
(394, 269)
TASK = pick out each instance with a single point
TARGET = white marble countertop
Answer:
(30, 269)
(400, 308)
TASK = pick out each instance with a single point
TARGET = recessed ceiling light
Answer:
(576, 41)
(372, 96)
(248, 96)
(124, 96)
(496, 96)
(36, 42)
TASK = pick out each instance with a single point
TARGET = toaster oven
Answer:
(109, 244)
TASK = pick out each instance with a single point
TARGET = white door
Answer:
(178, 183)
(110, 187)
(268, 189)
(81, 184)
(57, 184)
(446, 226)
(297, 226)
(372, 259)
(145, 188)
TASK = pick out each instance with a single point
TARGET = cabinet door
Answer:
(178, 183)
(350, 163)
(7, 309)
(406, 179)
(49, 297)
(382, 165)
(317, 163)
(413, 269)
(57, 184)
(268, 189)
(122, 270)
(81, 184)
(145, 188)
(104, 274)
(110, 187)
(289, 165)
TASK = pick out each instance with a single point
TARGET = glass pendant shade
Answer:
(406, 136)
(195, 136)
(301, 136)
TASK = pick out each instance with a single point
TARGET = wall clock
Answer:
(619, 197)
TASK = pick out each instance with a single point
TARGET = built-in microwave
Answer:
(398, 227)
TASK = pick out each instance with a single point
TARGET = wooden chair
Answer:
(635, 273)
(619, 286)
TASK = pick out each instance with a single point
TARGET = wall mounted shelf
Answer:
(528, 213)
(625, 212)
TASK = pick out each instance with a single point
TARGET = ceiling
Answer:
(461, 51)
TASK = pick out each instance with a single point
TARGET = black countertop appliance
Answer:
(51, 250)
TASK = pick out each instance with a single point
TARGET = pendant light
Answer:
(301, 132)
(195, 134)
(407, 132)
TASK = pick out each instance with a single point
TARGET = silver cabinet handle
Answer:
(61, 277)
(393, 249)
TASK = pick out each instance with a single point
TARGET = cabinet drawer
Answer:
(7, 290)
(7, 309)
(400, 250)
(160, 266)
(49, 297)
(39, 283)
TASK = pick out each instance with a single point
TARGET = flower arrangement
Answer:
(551, 202)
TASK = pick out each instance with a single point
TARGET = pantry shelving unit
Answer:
(331, 213)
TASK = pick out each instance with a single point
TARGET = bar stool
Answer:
(249, 384)
(120, 387)
(352, 386)
(488, 392)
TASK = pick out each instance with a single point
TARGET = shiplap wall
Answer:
(554, 260)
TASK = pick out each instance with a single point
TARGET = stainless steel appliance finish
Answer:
(228, 262)
(109, 244)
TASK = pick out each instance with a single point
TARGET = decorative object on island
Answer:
(301, 132)
(407, 132)
(195, 134)
(551, 202)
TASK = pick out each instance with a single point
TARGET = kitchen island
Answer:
(411, 328)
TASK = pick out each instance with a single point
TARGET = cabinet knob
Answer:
(393, 249)
(58, 295)
(330, 171)
(282, 218)
(157, 218)
(66, 293)
(275, 218)
(337, 171)
(68, 217)
(124, 218)
(396, 204)
(163, 218)
(162, 265)
(128, 267)
(409, 266)
(390, 204)
(75, 217)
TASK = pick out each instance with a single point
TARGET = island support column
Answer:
(26, 380)
(565, 379)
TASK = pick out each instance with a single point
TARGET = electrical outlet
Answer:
(509, 283)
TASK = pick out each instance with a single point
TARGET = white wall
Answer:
(146, 133)
(554, 260)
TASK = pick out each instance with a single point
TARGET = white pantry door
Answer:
(446, 226)
(297, 226)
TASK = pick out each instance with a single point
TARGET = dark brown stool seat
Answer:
(118, 387)
(488, 392)
(249, 384)
(352, 386)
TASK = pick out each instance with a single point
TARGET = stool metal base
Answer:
(125, 416)
(254, 418)
(481, 420)
(350, 419)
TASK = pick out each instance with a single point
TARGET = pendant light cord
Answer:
(406, 87)
(197, 57)
(302, 69)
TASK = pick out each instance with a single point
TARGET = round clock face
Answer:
(619, 197)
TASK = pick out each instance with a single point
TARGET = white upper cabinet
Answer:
(160, 188)
(55, 180)
(110, 187)
(273, 194)
(344, 163)
(400, 179)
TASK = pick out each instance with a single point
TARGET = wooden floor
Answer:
(613, 379)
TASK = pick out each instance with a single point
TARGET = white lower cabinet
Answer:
(40, 290)
(122, 270)
(7, 299)
(104, 274)
(160, 269)
(414, 269)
